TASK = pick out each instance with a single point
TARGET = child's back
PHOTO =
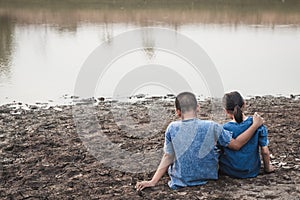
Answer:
(246, 162)
(193, 142)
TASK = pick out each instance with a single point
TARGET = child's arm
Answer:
(242, 139)
(265, 153)
(166, 160)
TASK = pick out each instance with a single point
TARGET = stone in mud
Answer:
(101, 99)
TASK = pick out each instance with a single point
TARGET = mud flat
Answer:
(43, 151)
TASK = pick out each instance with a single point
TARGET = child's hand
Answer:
(141, 185)
(270, 169)
(257, 120)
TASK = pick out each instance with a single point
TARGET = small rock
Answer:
(57, 109)
(139, 96)
(182, 193)
(286, 177)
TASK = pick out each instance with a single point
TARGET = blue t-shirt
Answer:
(244, 163)
(193, 144)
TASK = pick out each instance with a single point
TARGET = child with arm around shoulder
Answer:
(244, 163)
(190, 157)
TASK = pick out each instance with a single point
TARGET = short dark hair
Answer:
(186, 101)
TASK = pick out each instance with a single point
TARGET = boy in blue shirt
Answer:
(244, 163)
(190, 155)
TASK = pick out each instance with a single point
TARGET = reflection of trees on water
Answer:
(148, 44)
(107, 33)
(71, 28)
(6, 40)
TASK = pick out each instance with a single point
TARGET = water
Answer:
(255, 47)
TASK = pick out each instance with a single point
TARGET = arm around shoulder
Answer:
(241, 140)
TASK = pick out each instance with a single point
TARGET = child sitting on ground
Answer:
(190, 146)
(244, 163)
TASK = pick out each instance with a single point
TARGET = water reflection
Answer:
(107, 32)
(148, 44)
(6, 45)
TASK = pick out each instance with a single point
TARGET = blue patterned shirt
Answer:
(193, 144)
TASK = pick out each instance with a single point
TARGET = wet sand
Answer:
(42, 156)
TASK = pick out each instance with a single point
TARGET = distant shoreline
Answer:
(69, 14)
(73, 100)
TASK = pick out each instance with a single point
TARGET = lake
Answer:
(254, 45)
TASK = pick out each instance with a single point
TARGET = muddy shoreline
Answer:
(43, 155)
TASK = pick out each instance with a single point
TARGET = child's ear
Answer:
(198, 108)
(178, 112)
(227, 112)
(244, 106)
